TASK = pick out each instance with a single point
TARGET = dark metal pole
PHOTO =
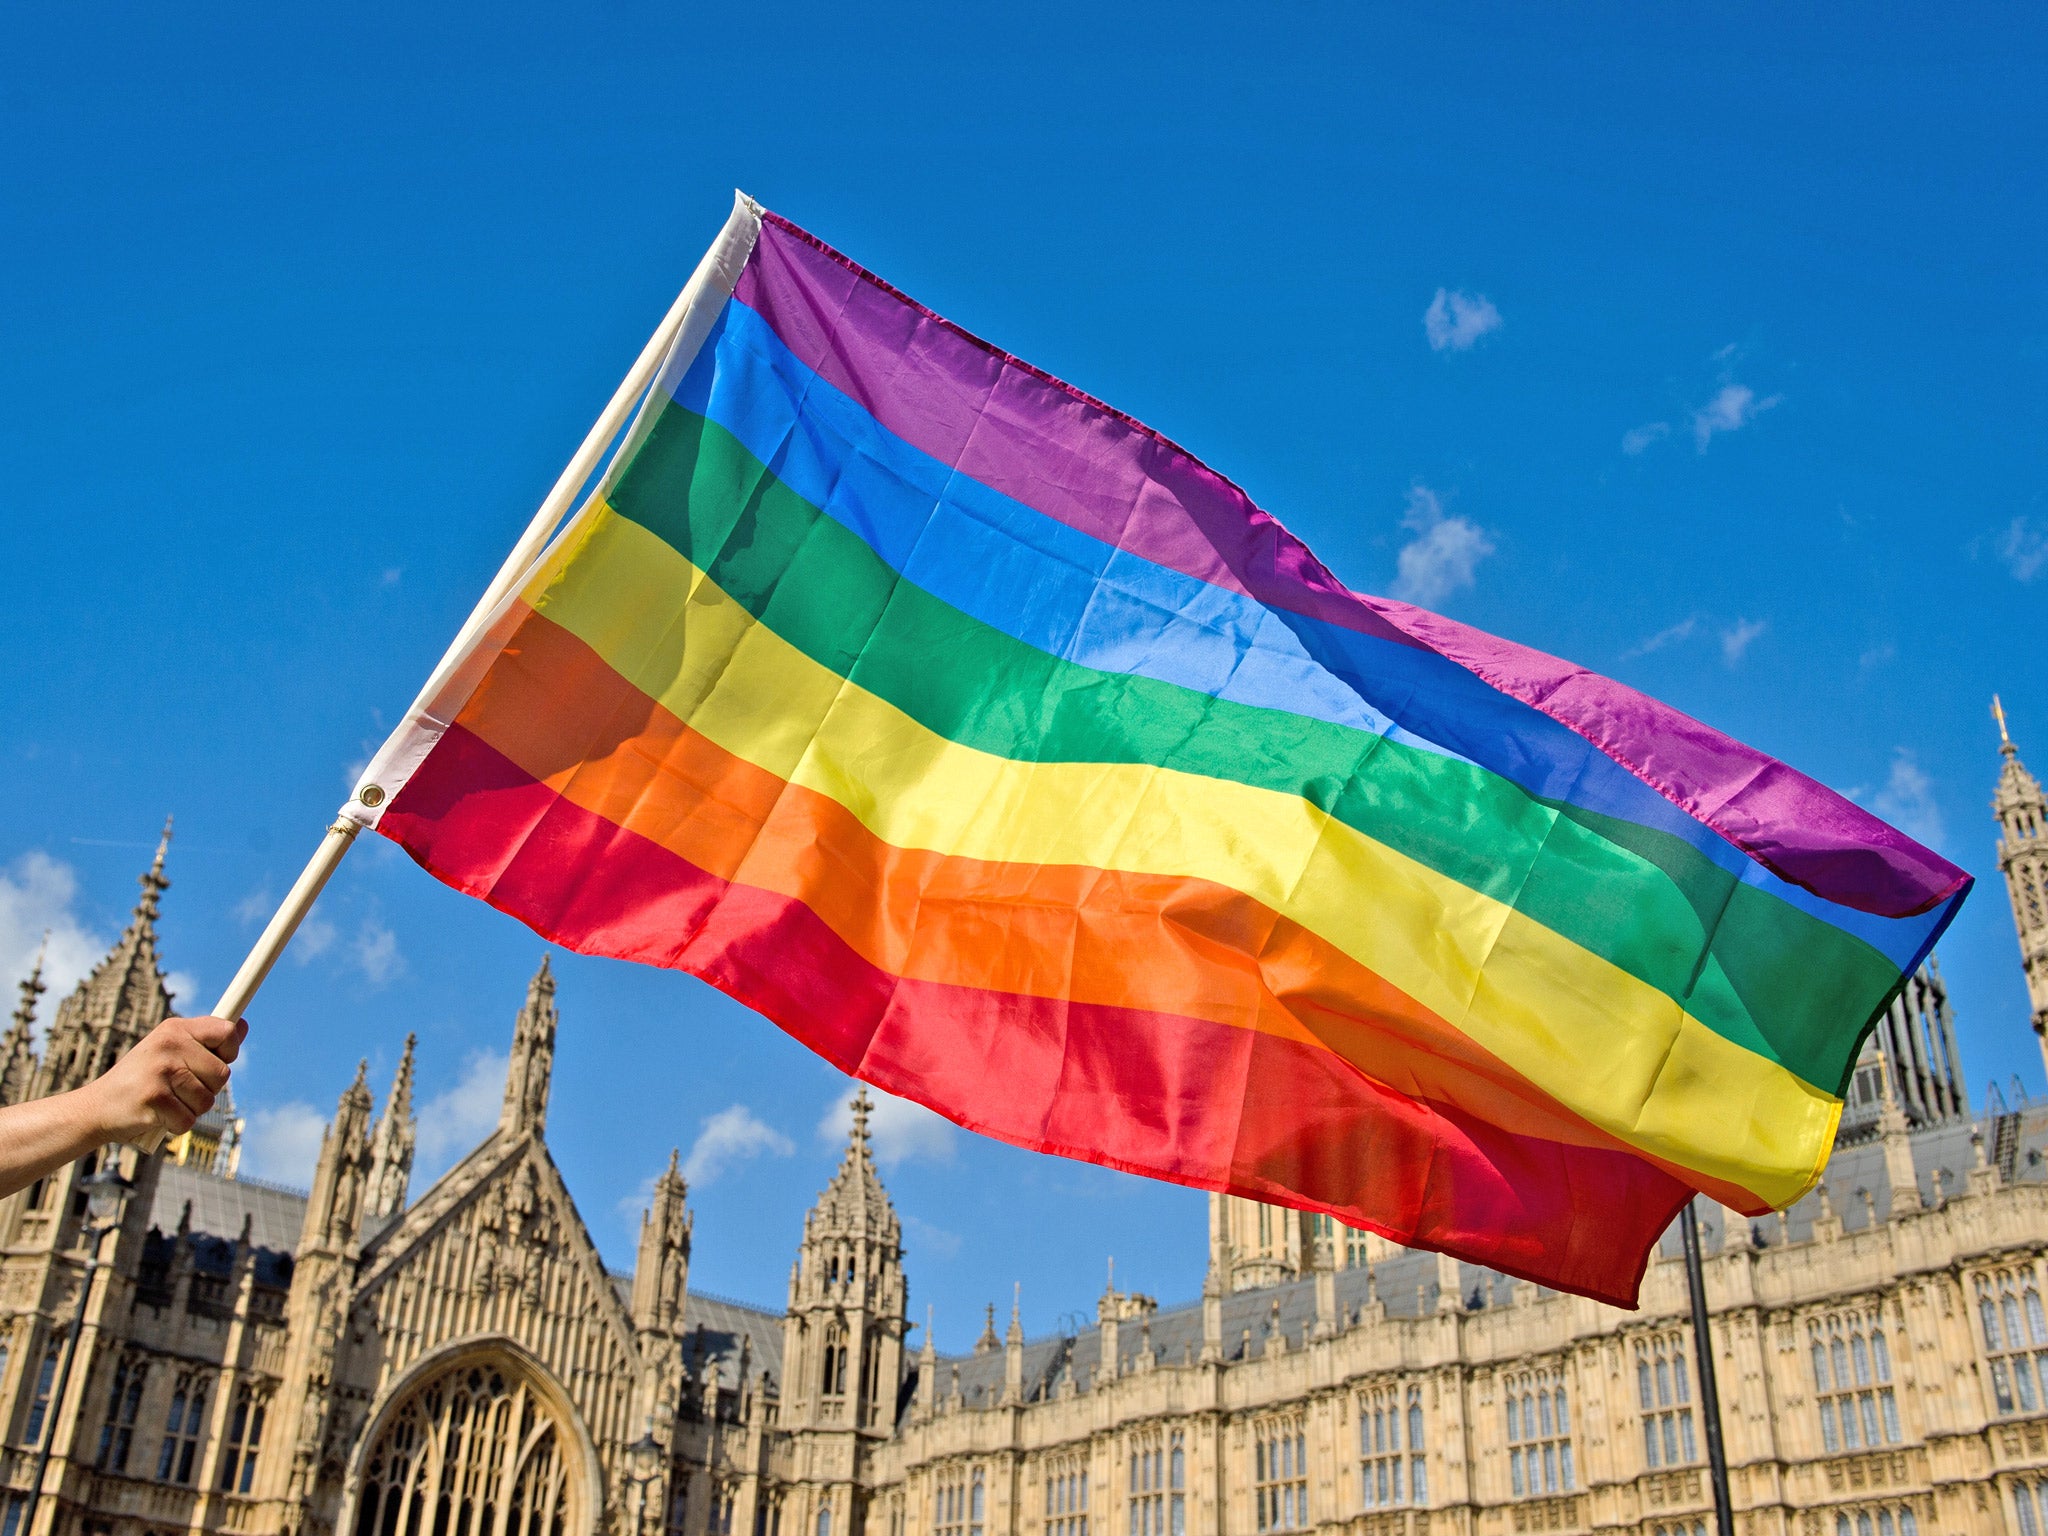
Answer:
(55, 1411)
(1703, 1356)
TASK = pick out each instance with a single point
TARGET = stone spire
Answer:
(17, 1049)
(533, 1058)
(121, 1001)
(661, 1277)
(391, 1144)
(1013, 1348)
(2022, 812)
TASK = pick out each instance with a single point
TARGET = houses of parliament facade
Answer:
(365, 1360)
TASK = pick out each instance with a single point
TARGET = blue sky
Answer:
(1702, 345)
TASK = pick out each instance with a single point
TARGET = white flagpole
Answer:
(298, 901)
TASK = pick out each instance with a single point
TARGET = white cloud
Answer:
(375, 951)
(1737, 638)
(1907, 800)
(282, 1144)
(901, 1129)
(391, 576)
(1443, 555)
(1876, 656)
(184, 989)
(256, 907)
(1682, 630)
(37, 894)
(731, 1136)
(2024, 549)
(1637, 439)
(1732, 409)
(454, 1121)
(1455, 321)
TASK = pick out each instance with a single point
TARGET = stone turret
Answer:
(661, 1277)
(391, 1145)
(121, 1001)
(2022, 812)
(341, 1178)
(533, 1058)
(843, 1338)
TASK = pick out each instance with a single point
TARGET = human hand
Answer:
(168, 1080)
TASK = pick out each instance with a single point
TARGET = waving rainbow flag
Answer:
(1014, 761)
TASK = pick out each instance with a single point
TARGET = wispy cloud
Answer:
(1683, 630)
(1640, 439)
(38, 895)
(1455, 321)
(1733, 407)
(901, 1129)
(391, 577)
(733, 1135)
(455, 1120)
(1444, 554)
(184, 989)
(282, 1143)
(2024, 549)
(1907, 800)
(1737, 638)
(936, 1241)
(375, 952)
(372, 949)
(1876, 657)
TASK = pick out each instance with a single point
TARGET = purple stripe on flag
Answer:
(1039, 441)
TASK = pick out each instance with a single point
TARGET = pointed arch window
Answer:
(39, 1405)
(245, 1439)
(182, 1429)
(473, 1451)
(123, 1401)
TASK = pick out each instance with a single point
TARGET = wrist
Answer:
(99, 1118)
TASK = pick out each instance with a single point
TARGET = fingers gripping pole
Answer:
(277, 933)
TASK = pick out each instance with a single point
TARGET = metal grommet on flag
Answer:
(371, 795)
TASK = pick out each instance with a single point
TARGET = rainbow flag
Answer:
(1014, 761)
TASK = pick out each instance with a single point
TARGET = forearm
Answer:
(42, 1135)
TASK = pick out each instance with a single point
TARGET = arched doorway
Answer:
(474, 1449)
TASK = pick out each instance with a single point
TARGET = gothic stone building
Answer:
(359, 1362)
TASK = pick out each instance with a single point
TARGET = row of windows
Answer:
(1539, 1435)
(1066, 1500)
(1852, 1373)
(1884, 1522)
(184, 1425)
(1280, 1475)
(1664, 1392)
(1158, 1495)
(1390, 1442)
(2015, 1333)
(961, 1506)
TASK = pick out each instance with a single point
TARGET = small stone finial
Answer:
(988, 1339)
(862, 1106)
(1016, 1333)
(32, 986)
(153, 881)
(1869, 1207)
